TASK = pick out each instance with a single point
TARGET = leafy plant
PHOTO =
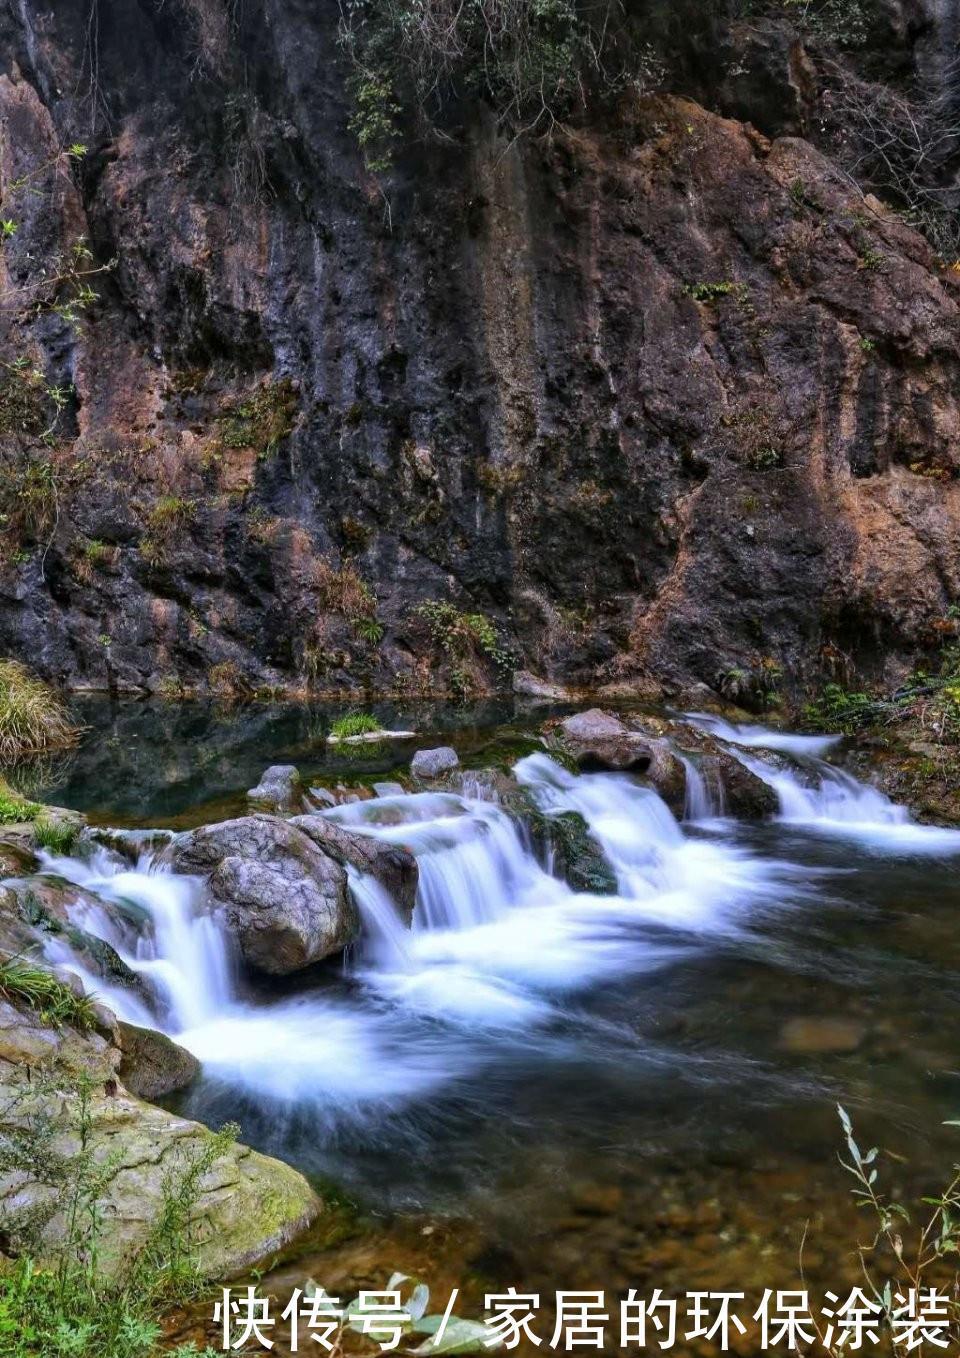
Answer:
(712, 292)
(32, 717)
(918, 1254)
(464, 638)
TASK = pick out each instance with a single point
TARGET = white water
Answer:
(499, 948)
(825, 799)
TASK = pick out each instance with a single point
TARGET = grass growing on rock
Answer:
(32, 717)
(51, 1000)
(355, 724)
(14, 809)
(57, 837)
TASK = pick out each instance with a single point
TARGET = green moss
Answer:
(565, 841)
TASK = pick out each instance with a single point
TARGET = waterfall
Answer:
(823, 798)
(156, 922)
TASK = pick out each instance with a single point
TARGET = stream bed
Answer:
(553, 1090)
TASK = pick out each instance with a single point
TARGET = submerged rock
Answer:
(810, 1035)
(279, 790)
(247, 1206)
(427, 764)
(284, 899)
(151, 1065)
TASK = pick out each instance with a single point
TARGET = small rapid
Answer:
(823, 798)
(504, 963)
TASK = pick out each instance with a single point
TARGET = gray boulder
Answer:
(285, 899)
(247, 1207)
(427, 764)
(392, 866)
(279, 790)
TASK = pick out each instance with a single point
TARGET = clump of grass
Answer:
(57, 837)
(32, 717)
(355, 724)
(51, 1000)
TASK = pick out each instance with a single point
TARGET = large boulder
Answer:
(284, 899)
(395, 868)
(599, 740)
(279, 790)
(428, 764)
(247, 1205)
(151, 1065)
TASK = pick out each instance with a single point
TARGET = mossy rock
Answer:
(565, 841)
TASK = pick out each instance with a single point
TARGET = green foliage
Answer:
(464, 638)
(32, 718)
(531, 61)
(374, 119)
(837, 709)
(14, 809)
(53, 1002)
(909, 1252)
(354, 724)
(56, 1301)
(756, 685)
(712, 292)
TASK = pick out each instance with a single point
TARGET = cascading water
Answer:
(499, 949)
(820, 796)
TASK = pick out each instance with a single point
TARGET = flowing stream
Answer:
(518, 1018)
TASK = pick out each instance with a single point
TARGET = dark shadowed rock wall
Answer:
(662, 396)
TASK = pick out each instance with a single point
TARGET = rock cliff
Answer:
(661, 397)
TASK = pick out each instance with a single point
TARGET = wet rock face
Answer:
(153, 1066)
(285, 900)
(700, 420)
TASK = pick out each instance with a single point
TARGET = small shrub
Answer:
(712, 292)
(32, 717)
(464, 639)
(355, 724)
